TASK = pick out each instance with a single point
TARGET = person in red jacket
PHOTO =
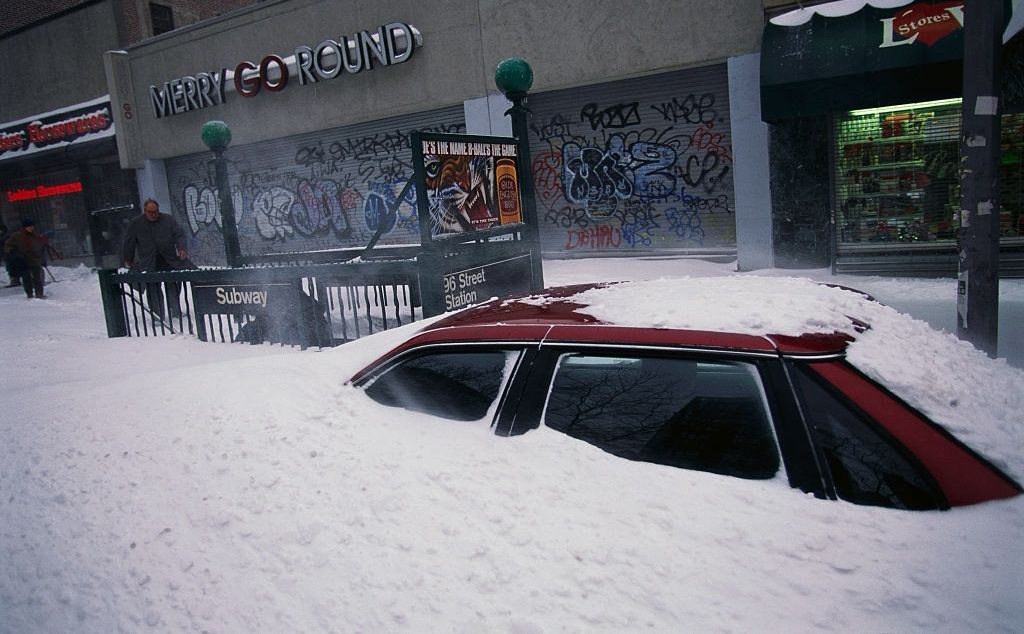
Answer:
(27, 250)
(12, 271)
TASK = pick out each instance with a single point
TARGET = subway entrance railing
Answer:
(477, 240)
(296, 299)
(305, 305)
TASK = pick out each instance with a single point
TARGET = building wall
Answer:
(579, 42)
(568, 43)
(801, 196)
(132, 22)
(18, 14)
(48, 65)
(136, 18)
(58, 61)
(754, 249)
(52, 61)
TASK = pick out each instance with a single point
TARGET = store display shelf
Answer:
(866, 221)
(888, 139)
(909, 193)
(888, 166)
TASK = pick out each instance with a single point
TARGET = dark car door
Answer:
(706, 410)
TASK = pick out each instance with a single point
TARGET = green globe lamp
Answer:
(514, 77)
(217, 136)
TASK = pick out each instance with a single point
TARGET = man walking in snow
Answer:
(26, 251)
(155, 242)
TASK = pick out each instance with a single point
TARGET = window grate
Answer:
(896, 176)
(161, 17)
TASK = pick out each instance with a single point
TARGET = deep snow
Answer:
(163, 484)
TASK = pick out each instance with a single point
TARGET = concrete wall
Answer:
(57, 63)
(751, 178)
(579, 42)
(568, 43)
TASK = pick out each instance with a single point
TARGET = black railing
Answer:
(331, 256)
(314, 304)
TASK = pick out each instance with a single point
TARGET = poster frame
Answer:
(427, 236)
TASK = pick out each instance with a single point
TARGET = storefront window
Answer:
(896, 176)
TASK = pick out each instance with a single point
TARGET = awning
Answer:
(873, 57)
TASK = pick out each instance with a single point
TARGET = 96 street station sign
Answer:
(510, 276)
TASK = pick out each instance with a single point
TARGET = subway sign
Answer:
(390, 44)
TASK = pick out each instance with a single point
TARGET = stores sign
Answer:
(44, 191)
(390, 44)
(925, 23)
(55, 129)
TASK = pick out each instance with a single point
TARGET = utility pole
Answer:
(978, 277)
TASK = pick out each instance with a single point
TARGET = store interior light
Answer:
(906, 106)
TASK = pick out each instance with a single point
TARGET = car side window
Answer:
(708, 416)
(454, 385)
(866, 467)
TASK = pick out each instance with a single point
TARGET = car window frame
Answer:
(865, 418)
(495, 409)
(791, 440)
(988, 482)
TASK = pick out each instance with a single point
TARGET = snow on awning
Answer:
(840, 8)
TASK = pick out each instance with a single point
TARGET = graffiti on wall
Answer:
(633, 174)
(319, 195)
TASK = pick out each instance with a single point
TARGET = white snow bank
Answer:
(162, 484)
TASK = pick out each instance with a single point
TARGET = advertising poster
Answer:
(471, 186)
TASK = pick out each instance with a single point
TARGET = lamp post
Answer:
(217, 137)
(513, 77)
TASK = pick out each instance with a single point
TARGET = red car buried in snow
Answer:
(732, 401)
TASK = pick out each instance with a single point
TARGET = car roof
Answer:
(557, 316)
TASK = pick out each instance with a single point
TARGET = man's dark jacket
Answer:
(149, 244)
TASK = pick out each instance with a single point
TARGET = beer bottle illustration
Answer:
(508, 191)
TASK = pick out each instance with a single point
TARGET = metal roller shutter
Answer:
(897, 192)
(321, 190)
(635, 166)
(896, 178)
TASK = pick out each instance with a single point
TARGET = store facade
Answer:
(869, 104)
(58, 168)
(58, 155)
(59, 158)
(632, 131)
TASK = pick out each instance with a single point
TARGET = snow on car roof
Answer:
(978, 399)
(742, 305)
